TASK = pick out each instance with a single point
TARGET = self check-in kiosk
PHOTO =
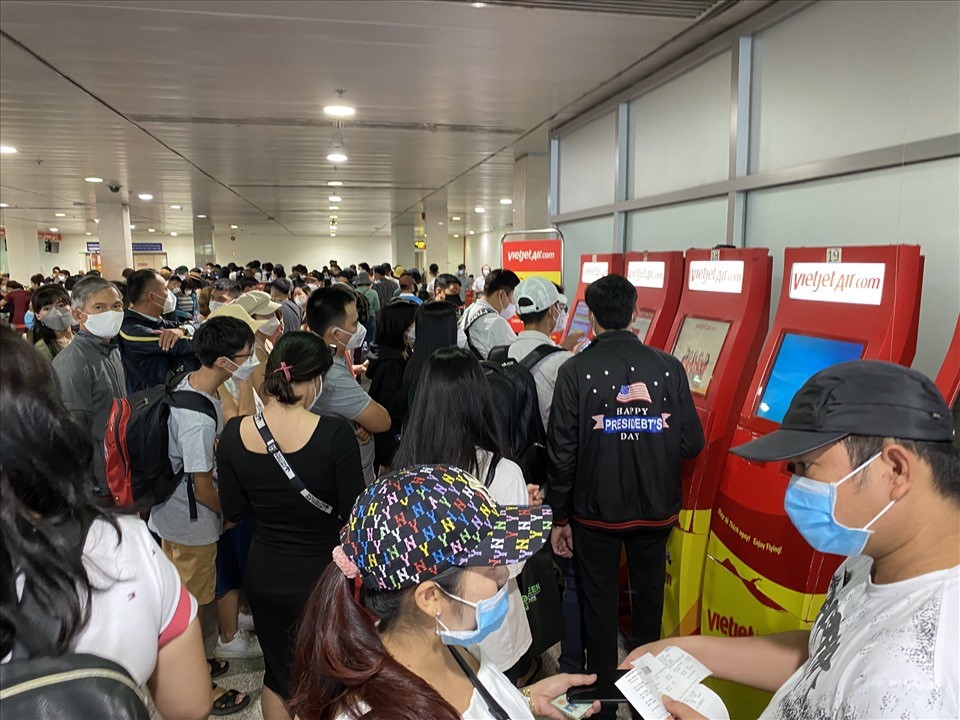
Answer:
(719, 330)
(836, 304)
(592, 267)
(948, 379)
(658, 278)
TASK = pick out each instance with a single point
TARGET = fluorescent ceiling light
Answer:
(145, 196)
(456, 235)
(89, 233)
(479, 210)
(333, 234)
(506, 201)
(133, 227)
(334, 183)
(97, 220)
(334, 198)
(173, 234)
(59, 214)
(478, 5)
(54, 229)
(202, 217)
(455, 218)
(337, 156)
(176, 207)
(340, 111)
(7, 150)
(3, 205)
(93, 179)
(440, 223)
(234, 227)
(472, 232)
(151, 229)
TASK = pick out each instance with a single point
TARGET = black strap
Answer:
(495, 708)
(292, 476)
(492, 468)
(195, 402)
(191, 496)
(539, 353)
(466, 329)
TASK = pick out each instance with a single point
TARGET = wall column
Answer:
(203, 251)
(403, 237)
(531, 192)
(116, 248)
(24, 257)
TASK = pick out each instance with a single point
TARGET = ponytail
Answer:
(297, 357)
(341, 665)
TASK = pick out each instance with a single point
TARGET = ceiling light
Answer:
(93, 179)
(333, 234)
(133, 227)
(339, 111)
(59, 214)
(456, 235)
(202, 217)
(3, 205)
(88, 233)
(7, 150)
(145, 196)
(234, 227)
(472, 232)
(334, 217)
(97, 220)
(334, 207)
(151, 229)
(334, 198)
(338, 155)
(506, 201)
(54, 229)
(176, 207)
(478, 5)
(455, 218)
(173, 234)
(479, 210)
(335, 183)
(440, 223)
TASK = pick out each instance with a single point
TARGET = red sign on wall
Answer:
(49, 236)
(533, 257)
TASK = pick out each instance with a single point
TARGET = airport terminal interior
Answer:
(436, 359)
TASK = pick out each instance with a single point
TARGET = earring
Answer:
(437, 631)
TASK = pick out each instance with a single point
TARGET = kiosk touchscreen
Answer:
(836, 304)
(592, 267)
(720, 324)
(658, 279)
(948, 379)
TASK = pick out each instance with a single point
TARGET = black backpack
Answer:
(517, 411)
(136, 445)
(38, 683)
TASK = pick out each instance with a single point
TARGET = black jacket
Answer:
(386, 387)
(622, 419)
(144, 363)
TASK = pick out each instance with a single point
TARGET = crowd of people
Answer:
(359, 494)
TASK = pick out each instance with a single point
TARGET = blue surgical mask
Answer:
(490, 615)
(812, 505)
(29, 319)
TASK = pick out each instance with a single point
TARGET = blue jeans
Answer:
(571, 647)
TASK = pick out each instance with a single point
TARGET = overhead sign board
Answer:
(533, 257)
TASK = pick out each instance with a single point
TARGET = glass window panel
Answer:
(678, 227)
(595, 235)
(588, 165)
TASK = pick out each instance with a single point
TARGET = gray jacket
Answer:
(90, 375)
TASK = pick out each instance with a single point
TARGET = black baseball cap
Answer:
(860, 397)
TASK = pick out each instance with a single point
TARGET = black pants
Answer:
(597, 557)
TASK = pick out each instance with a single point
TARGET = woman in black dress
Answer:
(294, 534)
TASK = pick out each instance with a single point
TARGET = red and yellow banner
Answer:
(528, 258)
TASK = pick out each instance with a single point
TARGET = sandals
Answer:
(218, 667)
(226, 704)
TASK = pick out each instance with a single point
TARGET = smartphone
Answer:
(604, 689)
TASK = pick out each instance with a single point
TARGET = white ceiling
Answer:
(216, 104)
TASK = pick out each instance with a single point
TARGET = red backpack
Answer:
(136, 444)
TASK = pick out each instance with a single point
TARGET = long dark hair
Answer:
(436, 327)
(305, 356)
(45, 478)
(47, 295)
(452, 415)
(395, 318)
(339, 659)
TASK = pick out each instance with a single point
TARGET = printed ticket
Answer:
(674, 673)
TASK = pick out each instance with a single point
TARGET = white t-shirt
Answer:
(510, 641)
(138, 603)
(545, 371)
(488, 331)
(495, 683)
(879, 651)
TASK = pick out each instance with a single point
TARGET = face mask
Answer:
(356, 340)
(61, 278)
(301, 300)
(243, 372)
(269, 327)
(561, 321)
(811, 506)
(29, 319)
(214, 304)
(316, 398)
(490, 615)
(258, 276)
(311, 287)
(58, 319)
(169, 303)
(104, 325)
(461, 273)
(509, 311)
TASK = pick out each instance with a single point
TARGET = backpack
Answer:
(468, 325)
(517, 411)
(136, 445)
(37, 683)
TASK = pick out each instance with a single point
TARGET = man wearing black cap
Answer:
(876, 479)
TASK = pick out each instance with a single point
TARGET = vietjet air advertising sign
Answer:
(849, 283)
(646, 274)
(720, 276)
(529, 258)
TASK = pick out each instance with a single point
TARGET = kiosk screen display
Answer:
(798, 359)
(642, 323)
(581, 321)
(698, 347)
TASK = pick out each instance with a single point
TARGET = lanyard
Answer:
(495, 708)
(294, 479)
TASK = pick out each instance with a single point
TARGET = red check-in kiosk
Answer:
(592, 267)
(836, 304)
(719, 330)
(658, 278)
(948, 379)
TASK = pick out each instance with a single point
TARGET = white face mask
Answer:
(270, 327)
(214, 304)
(311, 287)
(301, 300)
(316, 398)
(356, 339)
(104, 325)
(561, 321)
(169, 303)
(509, 311)
(243, 372)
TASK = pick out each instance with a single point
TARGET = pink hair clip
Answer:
(285, 369)
(347, 566)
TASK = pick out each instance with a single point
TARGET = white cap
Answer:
(536, 294)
